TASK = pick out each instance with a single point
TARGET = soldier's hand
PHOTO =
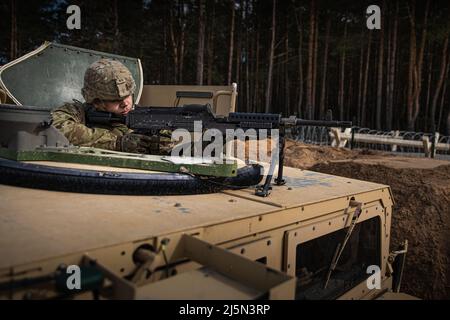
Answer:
(137, 143)
(165, 145)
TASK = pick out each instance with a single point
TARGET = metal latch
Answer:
(341, 246)
(396, 265)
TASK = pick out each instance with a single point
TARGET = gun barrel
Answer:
(317, 123)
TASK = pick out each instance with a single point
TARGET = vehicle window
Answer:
(313, 259)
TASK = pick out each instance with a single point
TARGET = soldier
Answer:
(108, 86)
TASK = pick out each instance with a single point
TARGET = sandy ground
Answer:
(421, 189)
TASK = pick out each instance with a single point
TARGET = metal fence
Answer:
(404, 142)
(310, 135)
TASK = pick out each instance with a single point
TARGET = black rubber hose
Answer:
(36, 176)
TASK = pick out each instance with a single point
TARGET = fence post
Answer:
(434, 143)
(336, 137)
(396, 135)
(426, 146)
(347, 132)
(340, 139)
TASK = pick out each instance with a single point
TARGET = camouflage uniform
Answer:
(108, 80)
(70, 120)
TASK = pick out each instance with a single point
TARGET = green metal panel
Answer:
(94, 156)
(54, 73)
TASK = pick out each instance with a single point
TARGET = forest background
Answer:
(289, 57)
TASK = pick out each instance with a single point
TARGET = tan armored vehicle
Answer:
(147, 227)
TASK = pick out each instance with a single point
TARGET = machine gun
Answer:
(150, 120)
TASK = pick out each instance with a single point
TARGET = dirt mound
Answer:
(304, 156)
(421, 191)
(299, 155)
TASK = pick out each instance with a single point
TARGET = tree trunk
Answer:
(238, 64)
(177, 38)
(300, 65)
(201, 41)
(256, 97)
(380, 73)
(439, 85)
(230, 52)
(314, 81)
(276, 88)
(14, 37)
(115, 41)
(174, 45)
(391, 75)
(360, 82)
(182, 39)
(448, 123)
(444, 91)
(349, 95)
(286, 71)
(309, 77)
(366, 77)
(342, 77)
(419, 65)
(238, 41)
(271, 57)
(164, 56)
(415, 68)
(324, 70)
(180, 81)
(411, 69)
(427, 102)
(248, 52)
(388, 70)
(210, 43)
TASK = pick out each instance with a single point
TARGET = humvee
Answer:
(316, 237)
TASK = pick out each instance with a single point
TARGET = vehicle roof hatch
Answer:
(53, 74)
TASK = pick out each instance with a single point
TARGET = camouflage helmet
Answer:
(107, 79)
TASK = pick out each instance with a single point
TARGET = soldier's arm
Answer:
(71, 124)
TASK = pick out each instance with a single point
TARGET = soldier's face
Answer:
(120, 107)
